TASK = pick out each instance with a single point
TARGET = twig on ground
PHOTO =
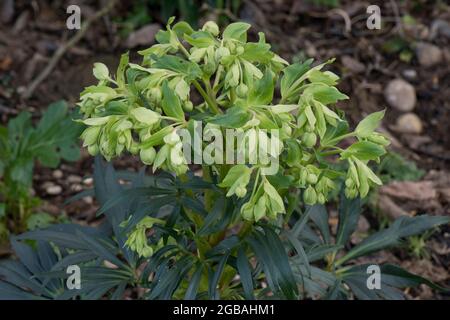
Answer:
(63, 48)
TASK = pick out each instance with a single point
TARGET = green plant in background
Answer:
(190, 11)
(417, 245)
(54, 138)
(138, 16)
(327, 3)
(189, 236)
(393, 167)
(400, 46)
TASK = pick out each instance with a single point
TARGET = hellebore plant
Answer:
(142, 109)
(231, 230)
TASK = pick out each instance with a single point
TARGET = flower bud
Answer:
(320, 198)
(239, 50)
(172, 138)
(349, 183)
(148, 155)
(241, 191)
(90, 135)
(209, 67)
(197, 54)
(134, 148)
(310, 196)
(247, 211)
(303, 176)
(188, 106)
(221, 53)
(93, 149)
(287, 130)
(309, 139)
(379, 139)
(155, 95)
(211, 27)
(242, 90)
(312, 178)
(231, 46)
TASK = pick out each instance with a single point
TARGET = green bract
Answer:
(142, 108)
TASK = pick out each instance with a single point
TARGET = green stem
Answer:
(217, 79)
(211, 103)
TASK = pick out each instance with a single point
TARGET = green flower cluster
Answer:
(137, 239)
(140, 109)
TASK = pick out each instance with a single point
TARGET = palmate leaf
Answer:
(79, 249)
(21, 280)
(317, 283)
(392, 278)
(401, 228)
(272, 255)
(312, 284)
(96, 282)
(167, 278)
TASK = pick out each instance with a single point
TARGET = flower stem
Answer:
(211, 103)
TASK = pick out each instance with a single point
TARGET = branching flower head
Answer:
(142, 107)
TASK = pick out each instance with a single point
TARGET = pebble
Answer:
(440, 28)
(400, 95)
(74, 179)
(410, 74)
(88, 181)
(409, 123)
(353, 64)
(53, 190)
(88, 200)
(57, 174)
(144, 36)
(428, 54)
(76, 187)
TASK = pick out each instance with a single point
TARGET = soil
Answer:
(366, 60)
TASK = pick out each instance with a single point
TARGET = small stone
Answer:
(400, 95)
(74, 179)
(352, 64)
(88, 200)
(428, 54)
(410, 74)
(310, 50)
(76, 187)
(409, 123)
(88, 181)
(363, 224)
(46, 184)
(53, 190)
(57, 174)
(145, 36)
(446, 54)
(361, 230)
(440, 28)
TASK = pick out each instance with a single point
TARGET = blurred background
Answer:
(403, 67)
